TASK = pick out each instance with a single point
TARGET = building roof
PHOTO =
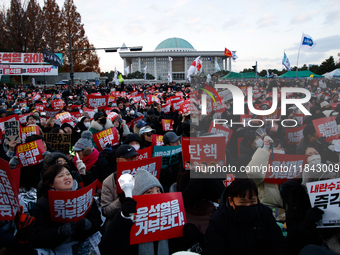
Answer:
(174, 44)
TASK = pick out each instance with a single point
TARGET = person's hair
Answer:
(240, 188)
(55, 130)
(249, 136)
(32, 138)
(308, 130)
(29, 116)
(50, 174)
(49, 121)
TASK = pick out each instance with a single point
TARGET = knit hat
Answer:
(131, 138)
(84, 142)
(145, 181)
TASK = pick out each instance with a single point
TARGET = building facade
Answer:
(182, 54)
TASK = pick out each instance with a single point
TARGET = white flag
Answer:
(145, 72)
(217, 67)
(194, 67)
(307, 41)
(115, 77)
(169, 77)
(127, 70)
(234, 56)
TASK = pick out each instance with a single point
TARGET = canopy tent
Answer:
(300, 74)
(233, 75)
(334, 74)
(60, 83)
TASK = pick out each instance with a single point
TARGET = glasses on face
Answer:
(149, 134)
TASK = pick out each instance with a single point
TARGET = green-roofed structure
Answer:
(234, 75)
(182, 54)
(300, 74)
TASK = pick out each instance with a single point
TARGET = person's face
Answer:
(335, 99)
(61, 131)
(154, 190)
(68, 130)
(246, 201)
(313, 138)
(63, 181)
(31, 121)
(122, 159)
(61, 161)
(148, 137)
(159, 108)
(98, 120)
(310, 151)
(178, 142)
(3, 115)
(120, 106)
(253, 144)
(133, 143)
(52, 123)
(87, 120)
(116, 123)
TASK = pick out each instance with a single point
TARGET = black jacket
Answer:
(226, 234)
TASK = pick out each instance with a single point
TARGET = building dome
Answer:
(174, 44)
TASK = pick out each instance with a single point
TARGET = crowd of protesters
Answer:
(241, 218)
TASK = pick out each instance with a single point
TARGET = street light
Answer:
(112, 49)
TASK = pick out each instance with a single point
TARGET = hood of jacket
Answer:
(95, 125)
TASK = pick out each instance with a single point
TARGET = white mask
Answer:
(87, 124)
(136, 146)
(316, 159)
(259, 143)
(132, 112)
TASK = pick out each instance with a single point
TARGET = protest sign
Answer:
(299, 117)
(50, 113)
(12, 132)
(158, 217)
(176, 104)
(90, 112)
(166, 108)
(99, 102)
(327, 127)
(294, 135)
(156, 140)
(22, 118)
(133, 122)
(203, 151)
(57, 104)
(13, 117)
(111, 116)
(325, 196)
(167, 125)
(67, 206)
(30, 153)
(9, 189)
(185, 106)
(170, 154)
(39, 107)
(59, 142)
(230, 178)
(107, 136)
(283, 167)
(152, 165)
(63, 116)
(28, 131)
(145, 153)
(221, 130)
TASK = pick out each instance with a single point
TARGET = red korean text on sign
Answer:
(107, 136)
(30, 153)
(327, 127)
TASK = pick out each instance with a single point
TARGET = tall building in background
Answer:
(174, 56)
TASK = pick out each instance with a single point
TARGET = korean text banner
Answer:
(167, 124)
(28, 131)
(157, 140)
(8, 118)
(107, 136)
(327, 127)
(221, 130)
(50, 113)
(12, 131)
(99, 102)
(145, 153)
(203, 151)
(30, 153)
(21, 58)
(57, 104)
(66, 206)
(59, 142)
(9, 202)
(294, 135)
(152, 165)
(325, 195)
(28, 70)
(170, 154)
(283, 167)
(158, 217)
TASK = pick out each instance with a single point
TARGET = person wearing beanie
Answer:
(109, 198)
(99, 123)
(50, 234)
(68, 129)
(88, 160)
(134, 140)
(2, 112)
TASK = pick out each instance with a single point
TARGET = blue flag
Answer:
(285, 62)
(307, 41)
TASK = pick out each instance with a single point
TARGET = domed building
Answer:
(173, 55)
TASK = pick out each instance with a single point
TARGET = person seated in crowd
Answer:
(50, 234)
(145, 134)
(241, 219)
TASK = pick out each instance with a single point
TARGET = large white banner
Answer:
(28, 70)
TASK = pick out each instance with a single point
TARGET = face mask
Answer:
(259, 143)
(87, 124)
(136, 146)
(132, 112)
(102, 121)
(247, 213)
(315, 159)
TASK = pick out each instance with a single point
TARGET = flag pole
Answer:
(297, 61)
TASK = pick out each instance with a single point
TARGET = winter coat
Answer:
(46, 231)
(226, 234)
(269, 193)
(109, 199)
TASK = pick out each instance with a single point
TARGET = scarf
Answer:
(90, 160)
(148, 249)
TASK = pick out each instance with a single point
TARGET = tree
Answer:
(327, 66)
(52, 20)
(35, 27)
(71, 24)
(139, 75)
